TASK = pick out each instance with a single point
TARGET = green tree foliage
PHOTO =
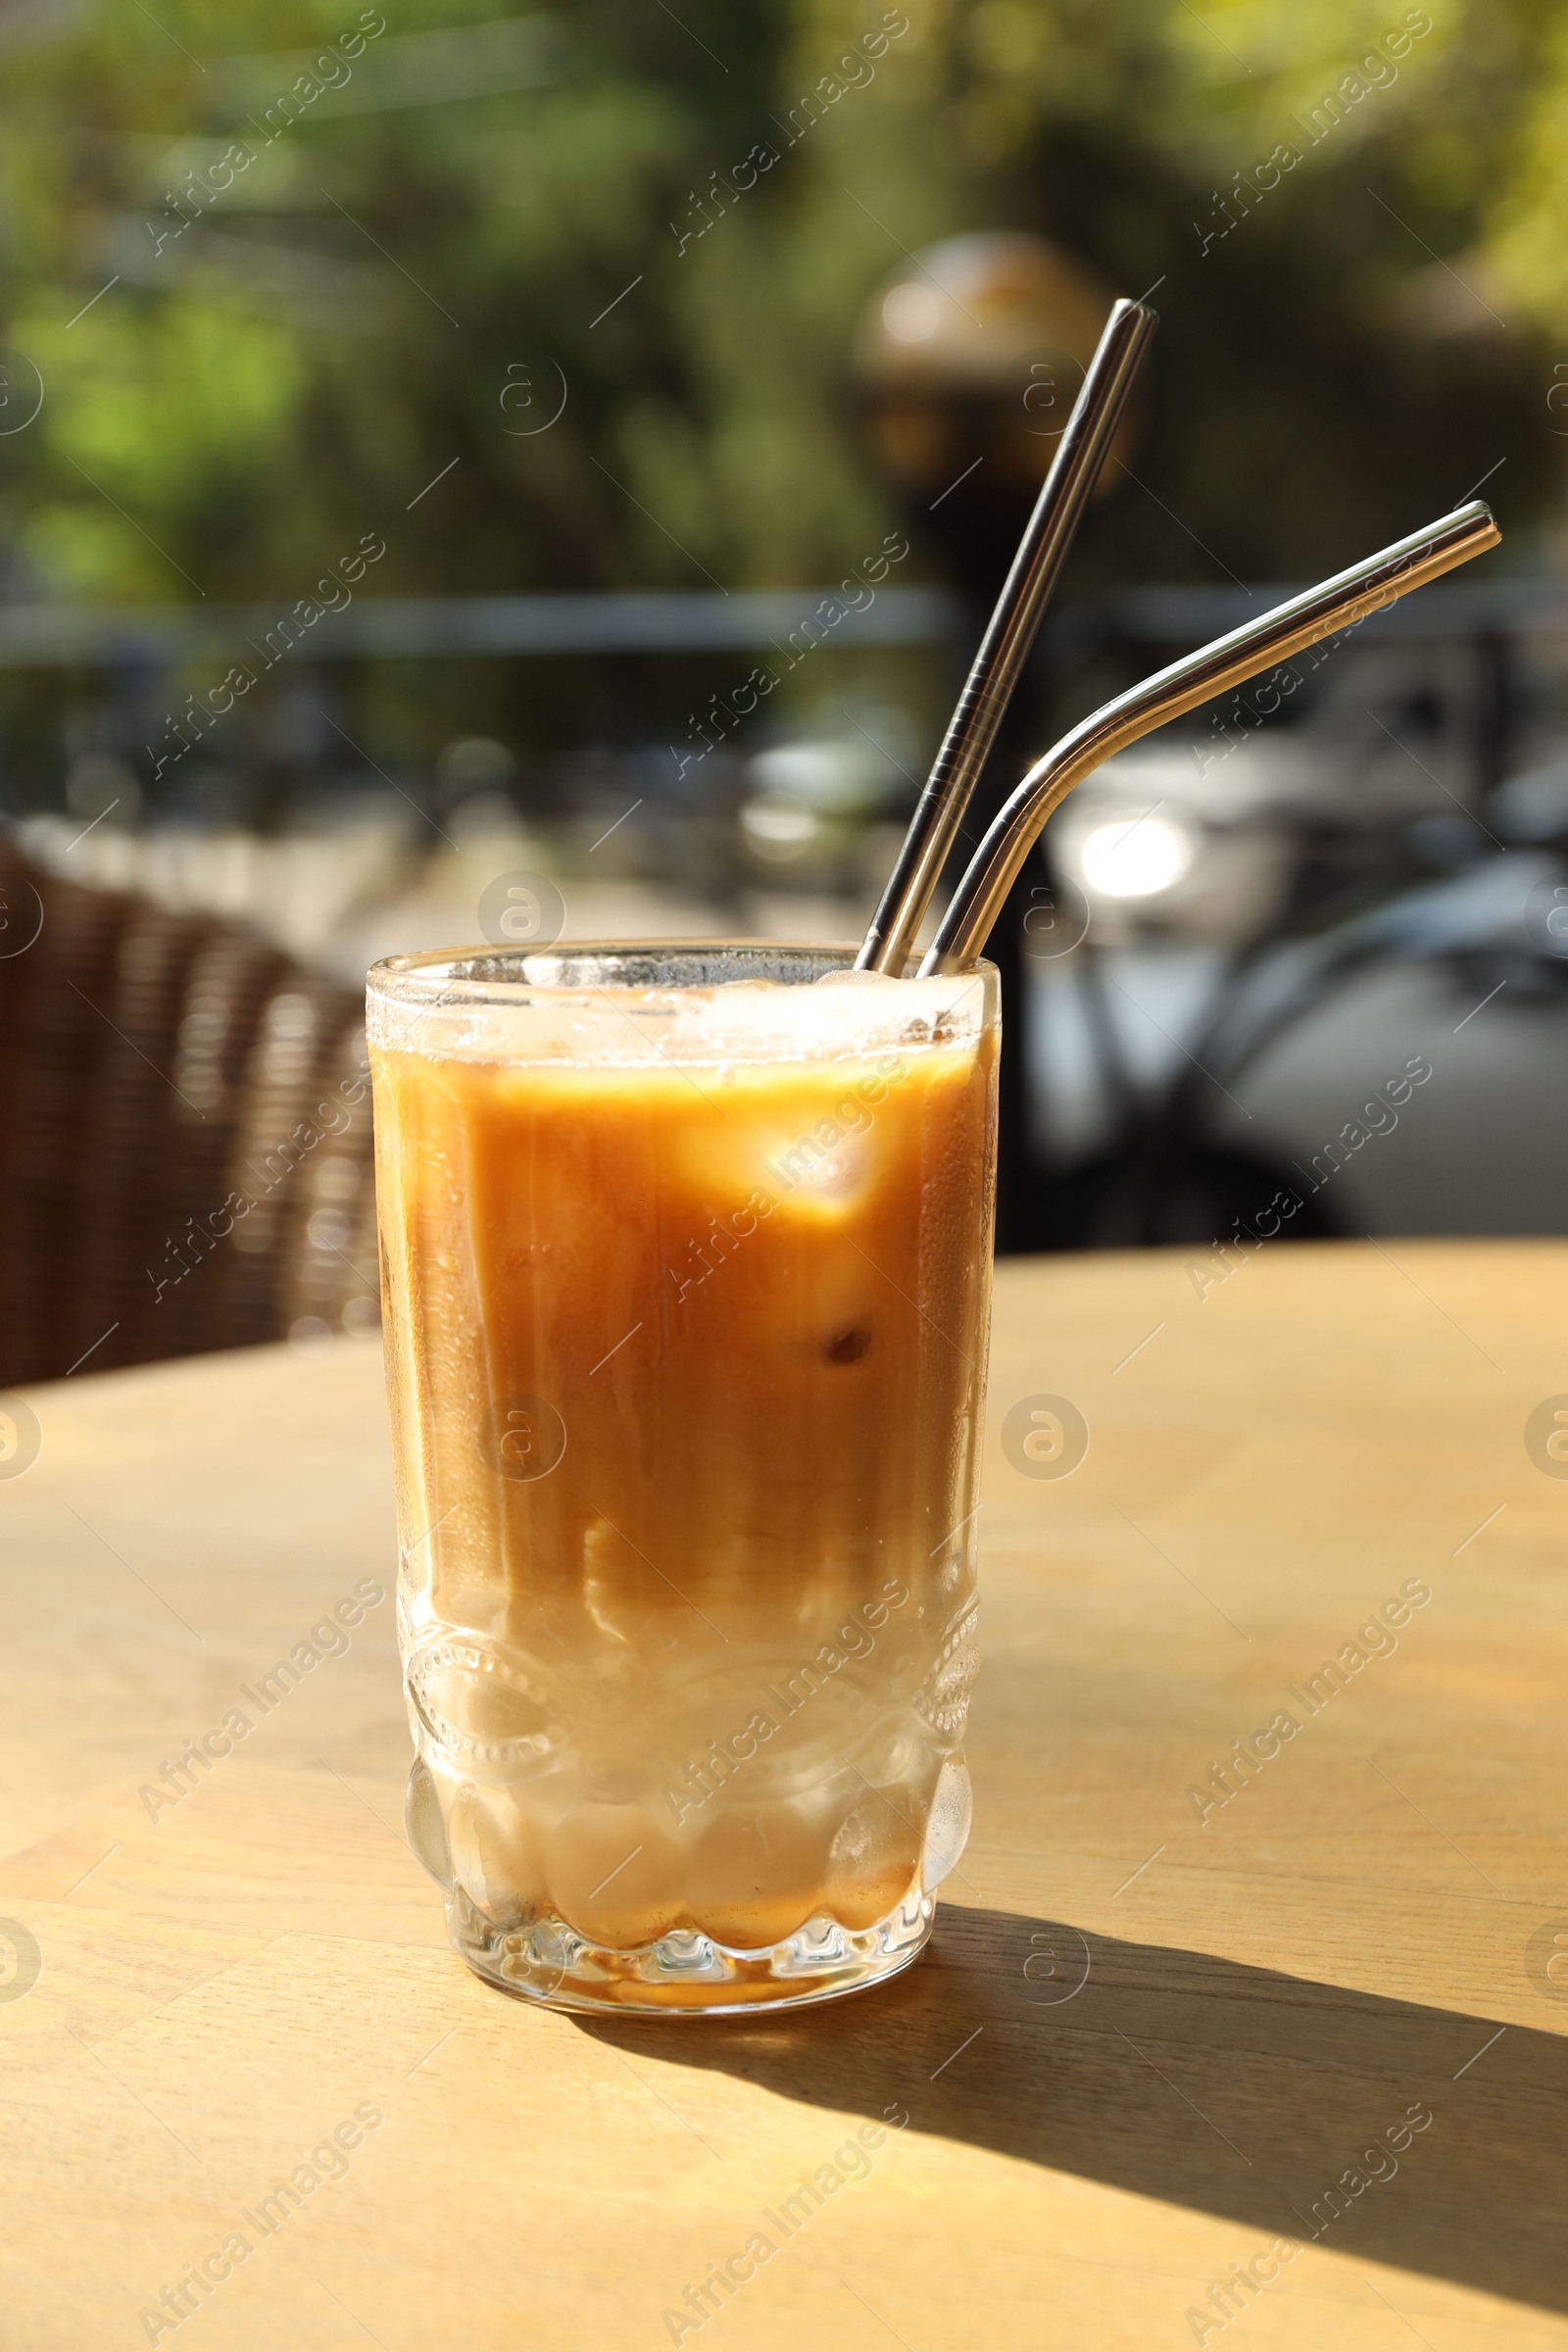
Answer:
(433, 236)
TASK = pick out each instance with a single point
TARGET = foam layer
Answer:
(690, 1009)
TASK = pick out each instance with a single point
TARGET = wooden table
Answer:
(1361, 1935)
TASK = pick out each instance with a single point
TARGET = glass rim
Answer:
(473, 972)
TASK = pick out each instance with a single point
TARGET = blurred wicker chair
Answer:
(185, 1159)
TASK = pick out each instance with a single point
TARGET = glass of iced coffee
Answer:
(686, 1260)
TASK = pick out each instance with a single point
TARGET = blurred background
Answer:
(477, 472)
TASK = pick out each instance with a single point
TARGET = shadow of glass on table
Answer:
(1260, 2097)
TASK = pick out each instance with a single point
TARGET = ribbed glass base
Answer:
(685, 1974)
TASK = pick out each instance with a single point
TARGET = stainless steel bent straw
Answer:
(1340, 602)
(1026, 592)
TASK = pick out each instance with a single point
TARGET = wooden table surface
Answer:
(1006, 2151)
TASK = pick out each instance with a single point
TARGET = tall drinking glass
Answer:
(686, 1255)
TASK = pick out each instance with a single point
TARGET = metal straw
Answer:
(1042, 552)
(1340, 602)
